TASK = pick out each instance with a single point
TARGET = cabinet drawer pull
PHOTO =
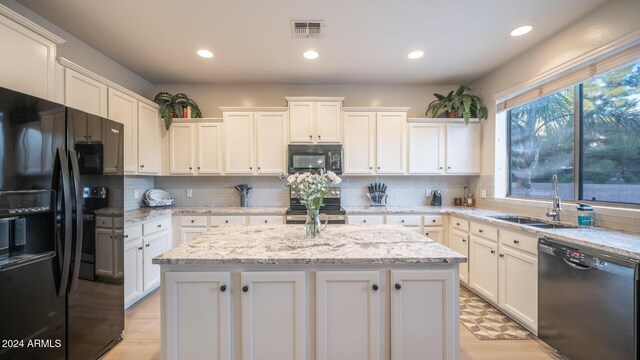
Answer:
(245, 288)
(493, 251)
(398, 286)
(457, 224)
(402, 220)
(159, 226)
(375, 287)
(464, 240)
(364, 221)
(310, 137)
(226, 221)
(126, 236)
(516, 242)
(223, 288)
(192, 221)
(265, 221)
(141, 166)
(433, 220)
(147, 245)
(501, 255)
(140, 248)
(480, 231)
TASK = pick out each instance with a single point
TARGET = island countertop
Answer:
(287, 244)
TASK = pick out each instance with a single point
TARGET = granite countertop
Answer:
(143, 214)
(287, 244)
(396, 209)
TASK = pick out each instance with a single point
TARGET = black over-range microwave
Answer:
(315, 157)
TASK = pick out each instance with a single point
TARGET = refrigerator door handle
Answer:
(61, 170)
(73, 157)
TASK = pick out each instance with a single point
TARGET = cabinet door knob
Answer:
(190, 168)
(464, 240)
(226, 221)
(250, 167)
(259, 168)
(370, 167)
(516, 242)
(223, 288)
(245, 288)
(265, 221)
(310, 137)
(364, 221)
(126, 236)
(378, 167)
(433, 221)
(141, 166)
(457, 224)
(198, 167)
(480, 230)
(440, 167)
(449, 167)
(398, 286)
(146, 245)
(402, 220)
(192, 221)
(140, 248)
(319, 137)
(493, 251)
(159, 225)
(501, 255)
(375, 287)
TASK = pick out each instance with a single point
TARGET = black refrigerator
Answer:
(53, 303)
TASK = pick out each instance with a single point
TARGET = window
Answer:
(603, 115)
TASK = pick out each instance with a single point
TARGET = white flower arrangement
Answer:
(311, 188)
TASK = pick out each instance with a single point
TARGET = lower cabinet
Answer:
(104, 249)
(198, 315)
(189, 233)
(460, 242)
(133, 270)
(483, 270)
(365, 219)
(416, 329)
(434, 233)
(153, 246)
(348, 315)
(273, 313)
(519, 285)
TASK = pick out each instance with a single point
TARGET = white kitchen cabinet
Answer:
(218, 220)
(84, 93)
(348, 315)
(359, 142)
(483, 268)
(426, 148)
(133, 271)
(104, 252)
(390, 142)
(154, 245)
(518, 290)
(271, 140)
(181, 148)
(435, 233)
(266, 220)
(463, 148)
(148, 140)
(239, 142)
(459, 241)
(112, 162)
(273, 313)
(28, 59)
(209, 148)
(189, 233)
(314, 122)
(198, 314)
(419, 331)
(365, 219)
(124, 109)
(86, 129)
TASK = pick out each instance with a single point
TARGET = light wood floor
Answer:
(142, 340)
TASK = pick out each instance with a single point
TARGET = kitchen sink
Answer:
(523, 220)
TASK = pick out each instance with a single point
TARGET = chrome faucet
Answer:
(556, 207)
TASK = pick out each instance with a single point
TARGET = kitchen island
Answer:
(268, 292)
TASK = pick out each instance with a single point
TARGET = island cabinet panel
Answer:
(348, 315)
(197, 315)
(419, 331)
(273, 308)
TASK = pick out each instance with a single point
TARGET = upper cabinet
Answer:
(314, 120)
(463, 148)
(426, 148)
(195, 148)
(148, 140)
(28, 60)
(374, 142)
(124, 109)
(255, 142)
(84, 93)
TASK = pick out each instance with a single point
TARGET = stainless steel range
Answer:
(297, 213)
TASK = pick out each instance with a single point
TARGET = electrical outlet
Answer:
(189, 193)
(483, 194)
(427, 193)
(136, 194)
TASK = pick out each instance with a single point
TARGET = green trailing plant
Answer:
(457, 103)
(172, 106)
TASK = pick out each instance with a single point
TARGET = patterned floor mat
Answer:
(487, 323)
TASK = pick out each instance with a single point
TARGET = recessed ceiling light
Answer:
(416, 54)
(521, 30)
(311, 54)
(205, 53)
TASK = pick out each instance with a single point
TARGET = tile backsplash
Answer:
(133, 183)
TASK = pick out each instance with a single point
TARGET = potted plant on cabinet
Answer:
(174, 106)
(458, 103)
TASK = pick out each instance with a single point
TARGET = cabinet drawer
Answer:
(227, 220)
(518, 240)
(199, 221)
(407, 220)
(487, 232)
(133, 232)
(460, 224)
(104, 222)
(155, 226)
(266, 220)
(432, 220)
(365, 219)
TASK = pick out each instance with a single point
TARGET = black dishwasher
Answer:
(587, 302)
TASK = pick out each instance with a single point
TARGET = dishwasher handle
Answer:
(577, 266)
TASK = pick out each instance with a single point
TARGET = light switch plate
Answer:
(136, 194)
(483, 194)
(189, 193)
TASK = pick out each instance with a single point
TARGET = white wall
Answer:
(84, 55)
(211, 97)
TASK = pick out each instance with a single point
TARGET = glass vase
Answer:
(313, 226)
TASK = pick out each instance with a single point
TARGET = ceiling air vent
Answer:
(306, 28)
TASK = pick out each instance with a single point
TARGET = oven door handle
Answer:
(577, 266)
(79, 218)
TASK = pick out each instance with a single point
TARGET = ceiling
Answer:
(365, 41)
